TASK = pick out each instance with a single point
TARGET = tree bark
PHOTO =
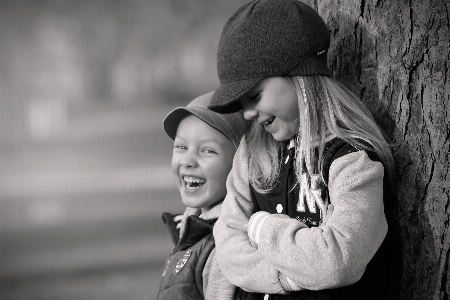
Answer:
(396, 56)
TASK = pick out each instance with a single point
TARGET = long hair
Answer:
(264, 158)
(326, 108)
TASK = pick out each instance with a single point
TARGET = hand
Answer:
(328, 214)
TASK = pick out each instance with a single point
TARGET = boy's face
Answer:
(201, 160)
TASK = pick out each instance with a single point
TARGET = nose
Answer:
(249, 110)
(188, 161)
(250, 114)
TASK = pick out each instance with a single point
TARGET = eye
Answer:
(255, 97)
(209, 151)
(181, 147)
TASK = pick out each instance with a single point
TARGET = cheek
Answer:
(296, 121)
(290, 102)
(175, 164)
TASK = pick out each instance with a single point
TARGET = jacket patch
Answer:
(182, 262)
(311, 193)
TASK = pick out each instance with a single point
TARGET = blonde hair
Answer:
(325, 107)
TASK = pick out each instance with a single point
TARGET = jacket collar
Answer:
(195, 229)
(194, 225)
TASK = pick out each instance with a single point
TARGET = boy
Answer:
(204, 147)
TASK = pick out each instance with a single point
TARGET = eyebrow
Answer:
(211, 140)
(204, 140)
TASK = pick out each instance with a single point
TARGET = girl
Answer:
(312, 143)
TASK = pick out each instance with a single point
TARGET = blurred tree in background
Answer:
(84, 161)
(60, 57)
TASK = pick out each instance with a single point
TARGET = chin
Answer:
(281, 139)
(284, 137)
(190, 202)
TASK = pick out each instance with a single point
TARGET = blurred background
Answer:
(84, 161)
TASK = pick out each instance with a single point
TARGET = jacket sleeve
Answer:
(240, 262)
(337, 253)
(215, 285)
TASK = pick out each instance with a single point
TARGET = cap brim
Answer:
(226, 99)
(172, 120)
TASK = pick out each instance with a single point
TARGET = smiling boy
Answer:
(201, 161)
(204, 146)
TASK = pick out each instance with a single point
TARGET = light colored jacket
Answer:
(288, 253)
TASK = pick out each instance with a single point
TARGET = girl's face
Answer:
(273, 103)
(201, 160)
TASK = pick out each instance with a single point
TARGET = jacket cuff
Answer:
(255, 224)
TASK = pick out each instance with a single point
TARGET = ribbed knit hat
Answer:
(267, 38)
(232, 125)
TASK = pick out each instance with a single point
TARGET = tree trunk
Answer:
(396, 55)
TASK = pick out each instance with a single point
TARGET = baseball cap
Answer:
(266, 38)
(232, 125)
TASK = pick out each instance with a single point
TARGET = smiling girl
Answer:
(312, 143)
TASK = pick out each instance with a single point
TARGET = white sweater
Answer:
(289, 253)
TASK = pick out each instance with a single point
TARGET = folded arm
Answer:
(337, 253)
(239, 261)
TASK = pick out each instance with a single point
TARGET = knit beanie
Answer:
(232, 125)
(267, 38)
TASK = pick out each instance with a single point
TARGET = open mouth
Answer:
(268, 122)
(193, 183)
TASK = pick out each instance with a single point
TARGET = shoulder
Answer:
(338, 148)
(355, 167)
(333, 150)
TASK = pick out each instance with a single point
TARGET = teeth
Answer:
(190, 179)
(268, 122)
(193, 183)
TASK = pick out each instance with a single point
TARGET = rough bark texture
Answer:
(396, 55)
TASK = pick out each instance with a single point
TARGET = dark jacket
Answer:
(373, 284)
(182, 275)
